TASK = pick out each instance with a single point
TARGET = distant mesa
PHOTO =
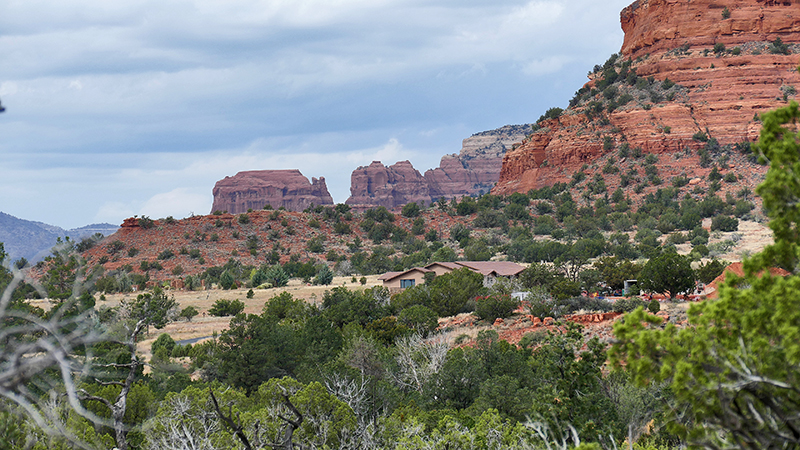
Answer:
(474, 171)
(255, 189)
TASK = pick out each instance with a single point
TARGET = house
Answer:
(712, 290)
(406, 279)
(490, 270)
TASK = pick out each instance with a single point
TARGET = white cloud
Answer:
(179, 202)
(112, 212)
(545, 66)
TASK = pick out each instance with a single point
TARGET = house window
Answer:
(406, 283)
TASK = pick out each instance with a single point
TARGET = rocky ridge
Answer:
(688, 73)
(189, 246)
(473, 171)
(254, 189)
(33, 240)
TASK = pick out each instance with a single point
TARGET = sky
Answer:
(116, 109)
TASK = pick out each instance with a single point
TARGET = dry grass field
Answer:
(204, 325)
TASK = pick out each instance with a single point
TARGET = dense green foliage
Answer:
(734, 371)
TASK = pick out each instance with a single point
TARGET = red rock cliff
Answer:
(473, 171)
(378, 185)
(722, 56)
(257, 188)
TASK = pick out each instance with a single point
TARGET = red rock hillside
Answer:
(473, 171)
(689, 74)
(189, 246)
(280, 188)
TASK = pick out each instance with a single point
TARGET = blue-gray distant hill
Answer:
(33, 240)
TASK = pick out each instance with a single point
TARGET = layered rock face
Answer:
(476, 169)
(378, 185)
(473, 171)
(720, 54)
(278, 188)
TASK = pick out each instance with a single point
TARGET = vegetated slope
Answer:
(372, 242)
(32, 240)
(689, 83)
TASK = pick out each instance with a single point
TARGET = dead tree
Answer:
(156, 309)
(288, 431)
(33, 348)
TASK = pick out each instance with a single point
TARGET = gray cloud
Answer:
(116, 108)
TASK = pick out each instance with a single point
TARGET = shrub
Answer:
(624, 305)
(223, 308)
(724, 223)
(324, 276)
(779, 48)
(227, 280)
(552, 113)
(654, 306)
(188, 313)
(410, 210)
(492, 219)
(419, 318)
(315, 245)
(115, 247)
(495, 306)
(680, 181)
(163, 346)
(543, 305)
(466, 206)
(146, 222)
(243, 219)
(166, 254)
(460, 234)
(276, 276)
(342, 228)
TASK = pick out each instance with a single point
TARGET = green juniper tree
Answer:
(735, 371)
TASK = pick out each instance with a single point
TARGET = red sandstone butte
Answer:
(473, 171)
(720, 93)
(279, 188)
(378, 185)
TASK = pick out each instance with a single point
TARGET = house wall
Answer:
(439, 269)
(394, 283)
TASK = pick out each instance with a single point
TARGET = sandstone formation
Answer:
(727, 69)
(476, 169)
(279, 188)
(378, 185)
(473, 171)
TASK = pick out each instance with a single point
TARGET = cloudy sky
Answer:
(117, 108)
